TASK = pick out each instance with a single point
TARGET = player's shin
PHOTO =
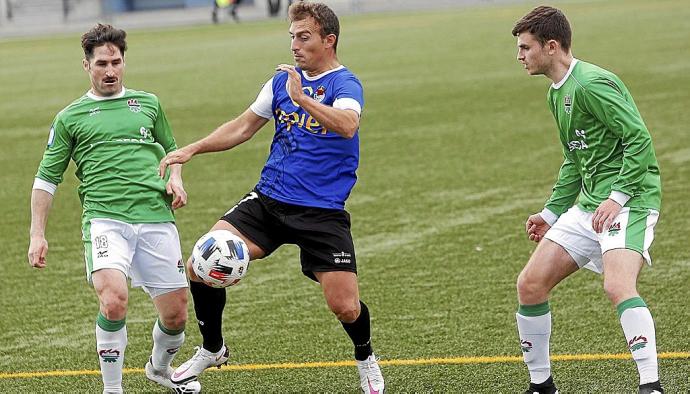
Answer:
(209, 303)
(534, 328)
(166, 344)
(360, 333)
(111, 341)
(640, 335)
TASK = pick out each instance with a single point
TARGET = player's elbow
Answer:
(349, 130)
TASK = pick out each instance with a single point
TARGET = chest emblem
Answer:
(319, 94)
(568, 104)
(134, 105)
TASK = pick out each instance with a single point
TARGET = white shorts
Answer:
(632, 229)
(148, 253)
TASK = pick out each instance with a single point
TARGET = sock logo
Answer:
(109, 355)
(525, 345)
(173, 350)
(637, 343)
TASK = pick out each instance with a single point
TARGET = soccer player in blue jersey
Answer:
(605, 203)
(300, 198)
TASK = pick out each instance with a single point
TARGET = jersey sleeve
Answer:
(349, 95)
(566, 189)
(162, 132)
(57, 154)
(605, 100)
(263, 105)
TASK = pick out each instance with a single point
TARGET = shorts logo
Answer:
(342, 258)
(526, 346)
(134, 105)
(614, 229)
(101, 242)
(109, 355)
(637, 343)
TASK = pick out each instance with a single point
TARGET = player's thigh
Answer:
(157, 263)
(111, 289)
(621, 269)
(549, 264)
(172, 307)
(255, 252)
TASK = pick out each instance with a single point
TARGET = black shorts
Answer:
(323, 235)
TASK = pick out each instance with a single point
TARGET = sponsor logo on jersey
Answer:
(145, 133)
(568, 104)
(109, 355)
(134, 105)
(637, 343)
(303, 120)
(580, 144)
(614, 229)
(319, 94)
(525, 345)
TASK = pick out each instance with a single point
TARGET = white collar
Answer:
(562, 81)
(99, 98)
(323, 74)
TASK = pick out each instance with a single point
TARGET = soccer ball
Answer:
(220, 258)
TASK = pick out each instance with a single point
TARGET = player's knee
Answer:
(346, 312)
(617, 291)
(530, 290)
(175, 320)
(114, 306)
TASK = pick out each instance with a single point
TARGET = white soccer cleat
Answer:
(370, 378)
(163, 378)
(201, 360)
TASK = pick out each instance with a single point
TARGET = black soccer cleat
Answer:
(651, 388)
(546, 387)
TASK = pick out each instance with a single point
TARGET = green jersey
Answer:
(116, 144)
(606, 145)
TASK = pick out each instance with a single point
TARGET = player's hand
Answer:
(294, 86)
(175, 188)
(38, 248)
(536, 227)
(605, 213)
(179, 156)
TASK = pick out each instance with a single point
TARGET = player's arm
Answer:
(227, 136)
(54, 163)
(162, 133)
(605, 100)
(564, 194)
(344, 122)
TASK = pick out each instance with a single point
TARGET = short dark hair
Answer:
(321, 13)
(546, 23)
(100, 35)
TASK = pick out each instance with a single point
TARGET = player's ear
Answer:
(85, 63)
(330, 40)
(552, 46)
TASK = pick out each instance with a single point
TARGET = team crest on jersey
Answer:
(568, 104)
(134, 105)
(319, 94)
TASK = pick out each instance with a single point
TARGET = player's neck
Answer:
(560, 68)
(326, 66)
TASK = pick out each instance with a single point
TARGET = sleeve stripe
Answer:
(348, 103)
(40, 184)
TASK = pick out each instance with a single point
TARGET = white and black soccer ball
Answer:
(220, 258)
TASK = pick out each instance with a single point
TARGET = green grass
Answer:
(458, 147)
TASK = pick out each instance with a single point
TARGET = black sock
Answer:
(208, 306)
(360, 333)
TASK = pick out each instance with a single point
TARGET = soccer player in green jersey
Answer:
(116, 137)
(609, 162)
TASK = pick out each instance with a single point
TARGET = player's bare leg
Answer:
(549, 265)
(621, 270)
(341, 292)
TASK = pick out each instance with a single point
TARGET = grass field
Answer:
(458, 147)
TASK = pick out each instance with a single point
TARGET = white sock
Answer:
(638, 327)
(110, 347)
(535, 332)
(166, 343)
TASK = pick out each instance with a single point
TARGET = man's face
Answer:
(532, 55)
(307, 46)
(105, 69)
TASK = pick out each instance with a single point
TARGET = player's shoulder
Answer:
(74, 106)
(589, 76)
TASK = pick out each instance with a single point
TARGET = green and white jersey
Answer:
(116, 144)
(607, 147)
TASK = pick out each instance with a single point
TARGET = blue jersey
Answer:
(309, 165)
